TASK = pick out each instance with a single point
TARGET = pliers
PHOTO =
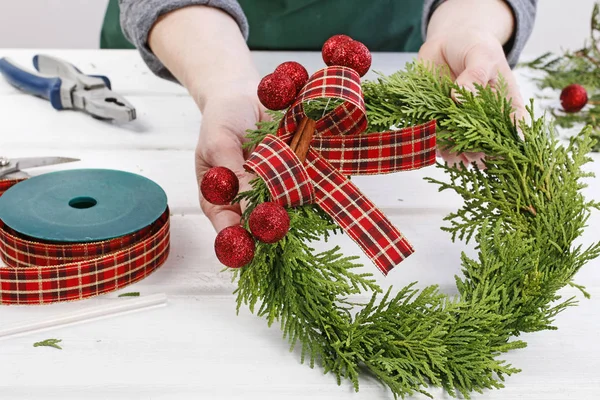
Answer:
(66, 87)
(11, 167)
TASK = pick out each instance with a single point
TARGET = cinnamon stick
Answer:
(298, 134)
(303, 137)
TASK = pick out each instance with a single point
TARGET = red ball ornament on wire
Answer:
(219, 186)
(331, 45)
(295, 71)
(276, 91)
(573, 98)
(234, 247)
(269, 222)
(353, 54)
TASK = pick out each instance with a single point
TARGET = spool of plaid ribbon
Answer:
(39, 272)
(339, 148)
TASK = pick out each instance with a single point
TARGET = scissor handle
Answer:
(30, 82)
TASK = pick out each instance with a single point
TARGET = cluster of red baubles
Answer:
(277, 90)
(268, 222)
(343, 50)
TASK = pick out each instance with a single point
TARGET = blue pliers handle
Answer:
(66, 87)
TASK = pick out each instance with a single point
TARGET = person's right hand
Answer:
(227, 115)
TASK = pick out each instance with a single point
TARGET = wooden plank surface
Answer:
(196, 347)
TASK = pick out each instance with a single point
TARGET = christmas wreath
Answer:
(524, 210)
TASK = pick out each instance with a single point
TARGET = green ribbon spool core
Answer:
(82, 205)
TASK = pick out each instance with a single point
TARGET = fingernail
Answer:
(456, 96)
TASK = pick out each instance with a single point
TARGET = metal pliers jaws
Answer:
(66, 87)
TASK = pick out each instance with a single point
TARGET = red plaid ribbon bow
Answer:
(338, 149)
(43, 273)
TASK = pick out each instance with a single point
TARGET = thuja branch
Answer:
(49, 343)
(581, 67)
(535, 173)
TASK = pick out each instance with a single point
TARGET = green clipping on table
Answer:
(82, 205)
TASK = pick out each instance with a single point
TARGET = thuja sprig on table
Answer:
(524, 211)
(49, 343)
(578, 67)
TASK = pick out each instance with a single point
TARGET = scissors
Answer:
(12, 167)
(66, 87)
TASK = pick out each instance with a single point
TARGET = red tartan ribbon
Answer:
(6, 184)
(339, 149)
(41, 273)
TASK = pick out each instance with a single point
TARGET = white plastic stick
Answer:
(114, 308)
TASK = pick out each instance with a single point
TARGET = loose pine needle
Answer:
(130, 294)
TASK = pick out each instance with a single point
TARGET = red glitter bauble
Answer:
(573, 98)
(353, 55)
(269, 222)
(331, 45)
(276, 91)
(234, 247)
(295, 71)
(219, 186)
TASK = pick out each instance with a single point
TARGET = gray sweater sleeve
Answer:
(524, 12)
(138, 17)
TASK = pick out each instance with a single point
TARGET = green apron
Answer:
(382, 25)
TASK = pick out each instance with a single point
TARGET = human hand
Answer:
(225, 119)
(204, 49)
(467, 36)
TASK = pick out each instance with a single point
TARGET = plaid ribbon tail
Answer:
(381, 241)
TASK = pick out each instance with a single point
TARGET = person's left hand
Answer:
(472, 57)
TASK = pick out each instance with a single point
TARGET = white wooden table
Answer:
(196, 346)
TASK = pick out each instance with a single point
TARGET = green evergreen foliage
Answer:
(581, 67)
(49, 343)
(524, 211)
